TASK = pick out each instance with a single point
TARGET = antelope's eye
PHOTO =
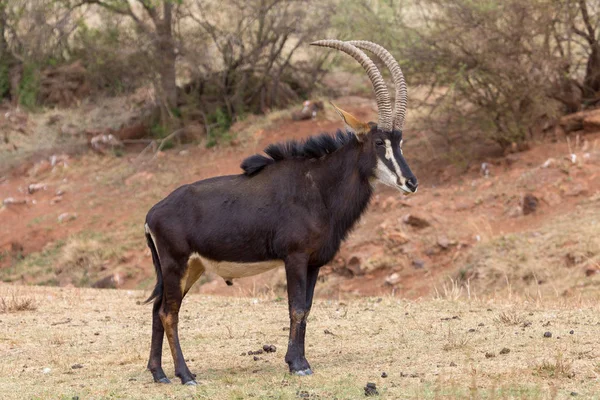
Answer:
(379, 142)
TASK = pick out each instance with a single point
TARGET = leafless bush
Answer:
(253, 58)
(503, 70)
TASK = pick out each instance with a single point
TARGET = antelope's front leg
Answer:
(296, 271)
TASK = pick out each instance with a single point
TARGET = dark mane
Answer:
(314, 147)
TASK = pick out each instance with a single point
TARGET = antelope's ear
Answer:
(353, 124)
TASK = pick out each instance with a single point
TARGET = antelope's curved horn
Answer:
(381, 94)
(401, 98)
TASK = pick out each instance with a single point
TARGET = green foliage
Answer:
(220, 122)
(29, 86)
(4, 80)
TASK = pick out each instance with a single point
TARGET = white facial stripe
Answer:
(388, 177)
(389, 153)
(388, 150)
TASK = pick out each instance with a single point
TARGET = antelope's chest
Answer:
(230, 270)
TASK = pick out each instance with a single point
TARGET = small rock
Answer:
(573, 394)
(56, 199)
(548, 163)
(418, 264)
(490, 355)
(269, 348)
(547, 334)
(112, 281)
(328, 332)
(255, 358)
(530, 204)
(35, 187)
(46, 370)
(384, 374)
(416, 221)
(444, 242)
(471, 330)
(398, 238)
(452, 364)
(571, 332)
(393, 279)
(12, 200)
(481, 324)
(354, 266)
(371, 389)
(76, 366)
(66, 217)
(243, 354)
(505, 350)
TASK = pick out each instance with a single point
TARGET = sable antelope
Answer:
(292, 207)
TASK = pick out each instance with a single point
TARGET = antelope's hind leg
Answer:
(176, 287)
(158, 333)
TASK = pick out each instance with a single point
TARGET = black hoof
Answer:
(162, 380)
(303, 372)
(191, 383)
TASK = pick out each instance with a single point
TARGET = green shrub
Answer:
(29, 86)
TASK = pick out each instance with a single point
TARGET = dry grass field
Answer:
(68, 343)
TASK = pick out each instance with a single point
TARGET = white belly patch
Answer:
(229, 270)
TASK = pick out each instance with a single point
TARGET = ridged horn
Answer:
(381, 94)
(390, 62)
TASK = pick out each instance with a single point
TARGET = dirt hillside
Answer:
(78, 220)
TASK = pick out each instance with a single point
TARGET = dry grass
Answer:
(550, 262)
(510, 318)
(425, 351)
(15, 303)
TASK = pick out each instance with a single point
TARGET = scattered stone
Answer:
(35, 187)
(353, 266)
(46, 370)
(328, 332)
(573, 394)
(398, 238)
(471, 330)
(243, 354)
(571, 332)
(59, 192)
(255, 358)
(530, 204)
(393, 279)
(505, 350)
(259, 351)
(452, 364)
(112, 281)
(56, 199)
(76, 366)
(303, 394)
(66, 217)
(481, 324)
(549, 162)
(590, 271)
(103, 143)
(526, 324)
(418, 264)
(547, 334)
(384, 374)
(415, 221)
(444, 242)
(269, 348)
(13, 201)
(490, 355)
(371, 389)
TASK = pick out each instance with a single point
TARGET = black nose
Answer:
(412, 184)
